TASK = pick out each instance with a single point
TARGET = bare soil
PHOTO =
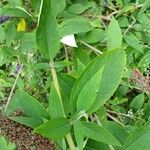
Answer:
(22, 136)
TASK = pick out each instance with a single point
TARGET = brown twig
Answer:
(114, 119)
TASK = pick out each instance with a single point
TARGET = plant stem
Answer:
(70, 141)
(114, 119)
(91, 47)
(12, 90)
(122, 114)
(111, 147)
(56, 84)
(67, 57)
(130, 26)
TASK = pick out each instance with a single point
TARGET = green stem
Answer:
(70, 141)
(56, 84)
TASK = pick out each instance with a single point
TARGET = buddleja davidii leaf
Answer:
(114, 37)
(54, 128)
(31, 112)
(28, 121)
(28, 104)
(113, 62)
(89, 91)
(138, 139)
(47, 36)
(55, 103)
(118, 131)
(98, 133)
(114, 68)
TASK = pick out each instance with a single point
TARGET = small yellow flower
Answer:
(21, 25)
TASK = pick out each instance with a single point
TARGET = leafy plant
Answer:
(90, 95)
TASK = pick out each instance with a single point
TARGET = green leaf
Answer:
(55, 103)
(133, 41)
(118, 131)
(114, 38)
(61, 144)
(146, 5)
(143, 19)
(2, 34)
(58, 6)
(15, 12)
(31, 110)
(10, 33)
(83, 56)
(42, 65)
(146, 110)
(47, 36)
(54, 129)
(28, 42)
(89, 91)
(79, 8)
(75, 26)
(80, 67)
(114, 62)
(36, 4)
(145, 61)
(137, 102)
(4, 145)
(14, 3)
(66, 83)
(79, 134)
(121, 91)
(100, 134)
(138, 139)
(28, 121)
(93, 36)
(123, 22)
(60, 65)
(127, 8)
(94, 145)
